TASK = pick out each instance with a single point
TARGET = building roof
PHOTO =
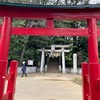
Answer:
(51, 6)
(31, 11)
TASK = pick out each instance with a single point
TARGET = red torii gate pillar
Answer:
(91, 70)
(5, 38)
(94, 66)
(4, 48)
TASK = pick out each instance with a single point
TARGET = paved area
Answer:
(47, 87)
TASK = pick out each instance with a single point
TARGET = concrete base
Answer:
(35, 69)
(59, 67)
(45, 68)
(73, 71)
(79, 71)
(70, 70)
(28, 70)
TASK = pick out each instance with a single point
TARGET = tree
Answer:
(37, 42)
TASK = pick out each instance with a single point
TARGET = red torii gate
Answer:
(90, 13)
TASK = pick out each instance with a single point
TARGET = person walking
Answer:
(24, 69)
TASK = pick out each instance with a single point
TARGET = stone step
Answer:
(53, 65)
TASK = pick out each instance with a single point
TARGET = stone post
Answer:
(63, 62)
(42, 61)
(74, 63)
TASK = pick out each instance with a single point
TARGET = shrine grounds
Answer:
(48, 86)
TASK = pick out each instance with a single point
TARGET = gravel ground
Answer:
(48, 86)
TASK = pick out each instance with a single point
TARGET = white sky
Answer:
(91, 1)
(95, 1)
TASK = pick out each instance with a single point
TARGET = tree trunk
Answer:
(23, 50)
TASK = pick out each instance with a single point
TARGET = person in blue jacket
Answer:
(24, 69)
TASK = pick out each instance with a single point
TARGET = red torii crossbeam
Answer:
(90, 13)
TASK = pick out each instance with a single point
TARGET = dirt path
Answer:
(47, 87)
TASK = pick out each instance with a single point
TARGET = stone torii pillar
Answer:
(42, 61)
(63, 62)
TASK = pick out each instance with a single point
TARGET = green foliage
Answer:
(33, 43)
(19, 23)
(69, 60)
(61, 23)
(39, 42)
(16, 45)
(60, 40)
(31, 54)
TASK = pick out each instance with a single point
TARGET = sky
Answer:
(91, 1)
(95, 1)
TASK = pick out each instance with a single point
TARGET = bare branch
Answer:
(57, 2)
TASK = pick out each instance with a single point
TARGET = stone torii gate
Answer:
(90, 13)
(61, 52)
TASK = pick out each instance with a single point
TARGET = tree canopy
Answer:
(25, 47)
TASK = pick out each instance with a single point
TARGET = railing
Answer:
(11, 78)
(91, 81)
(85, 74)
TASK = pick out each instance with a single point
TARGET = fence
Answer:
(91, 81)
(11, 78)
(85, 74)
